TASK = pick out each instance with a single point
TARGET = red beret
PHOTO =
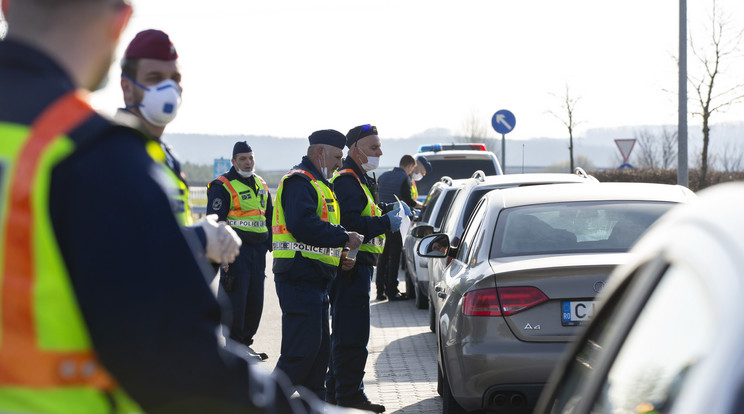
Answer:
(151, 44)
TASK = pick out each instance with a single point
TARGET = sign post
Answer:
(503, 122)
(626, 147)
(221, 166)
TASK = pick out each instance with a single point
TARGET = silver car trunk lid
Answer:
(568, 282)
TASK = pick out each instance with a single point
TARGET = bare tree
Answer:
(731, 158)
(475, 130)
(647, 153)
(722, 45)
(568, 107)
(669, 147)
(656, 151)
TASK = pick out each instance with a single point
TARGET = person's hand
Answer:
(406, 209)
(394, 220)
(355, 240)
(223, 244)
(347, 264)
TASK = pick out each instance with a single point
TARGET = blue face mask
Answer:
(160, 104)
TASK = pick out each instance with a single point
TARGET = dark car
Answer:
(523, 280)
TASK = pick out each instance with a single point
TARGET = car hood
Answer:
(520, 263)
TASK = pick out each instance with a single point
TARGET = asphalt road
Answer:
(401, 371)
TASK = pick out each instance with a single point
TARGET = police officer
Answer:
(307, 249)
(394, 183)
(242, 198)
(349, 293)
(151, 85)
(423, 167)
(105, 305)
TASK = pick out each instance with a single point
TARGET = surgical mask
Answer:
(417, 176)
(244, 174)
(161, 102)
(372, 162)
(324, 168)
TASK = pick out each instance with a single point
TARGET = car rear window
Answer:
(573, 227)
(454, 168)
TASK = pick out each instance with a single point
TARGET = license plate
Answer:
(576, 313)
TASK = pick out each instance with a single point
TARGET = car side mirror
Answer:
(422, 231)
(436, 245)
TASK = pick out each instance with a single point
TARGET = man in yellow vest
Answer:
(349, 292)
(241, 198)
(307, 246)
(103, 301)
(423, 167)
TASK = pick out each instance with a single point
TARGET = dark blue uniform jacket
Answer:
(143, 294)
(300, 203)
(395, 182)
(352, 200)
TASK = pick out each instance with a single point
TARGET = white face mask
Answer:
(161, 102)
(324, 168)
(244, 174)
(417, 176)
(372, 162)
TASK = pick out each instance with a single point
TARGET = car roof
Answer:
(593, 191)
(528, 179)
(437, 155)
(448, 183)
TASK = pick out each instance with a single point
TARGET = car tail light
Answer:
(505, 301)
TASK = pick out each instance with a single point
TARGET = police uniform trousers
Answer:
(306, 343)
(244, 284)
(349, 295)
(387, 266)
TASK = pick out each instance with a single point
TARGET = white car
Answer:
(667, 338)
(436, 204)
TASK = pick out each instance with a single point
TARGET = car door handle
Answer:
(441, 295)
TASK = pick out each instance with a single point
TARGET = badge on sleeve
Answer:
(217, 204)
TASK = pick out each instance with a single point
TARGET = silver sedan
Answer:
(523, 279)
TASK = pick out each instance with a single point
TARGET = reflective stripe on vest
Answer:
(374, 245)
(178, 191)
(284, 244)
(247, 214)
(46, 358)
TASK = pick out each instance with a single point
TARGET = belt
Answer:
(301, 247)
(246, 223)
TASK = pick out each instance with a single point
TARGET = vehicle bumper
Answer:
(489, 362)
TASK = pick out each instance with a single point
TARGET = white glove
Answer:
(223, 244)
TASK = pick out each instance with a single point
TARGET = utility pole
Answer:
(682, 168)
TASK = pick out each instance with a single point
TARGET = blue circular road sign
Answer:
(503, 121)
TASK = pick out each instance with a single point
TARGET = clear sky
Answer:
(287, 68)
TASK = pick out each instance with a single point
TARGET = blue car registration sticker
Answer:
(576, 313)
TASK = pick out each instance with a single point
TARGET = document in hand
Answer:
(405, 223)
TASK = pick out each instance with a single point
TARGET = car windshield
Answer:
(454, 168)
(573, 227)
